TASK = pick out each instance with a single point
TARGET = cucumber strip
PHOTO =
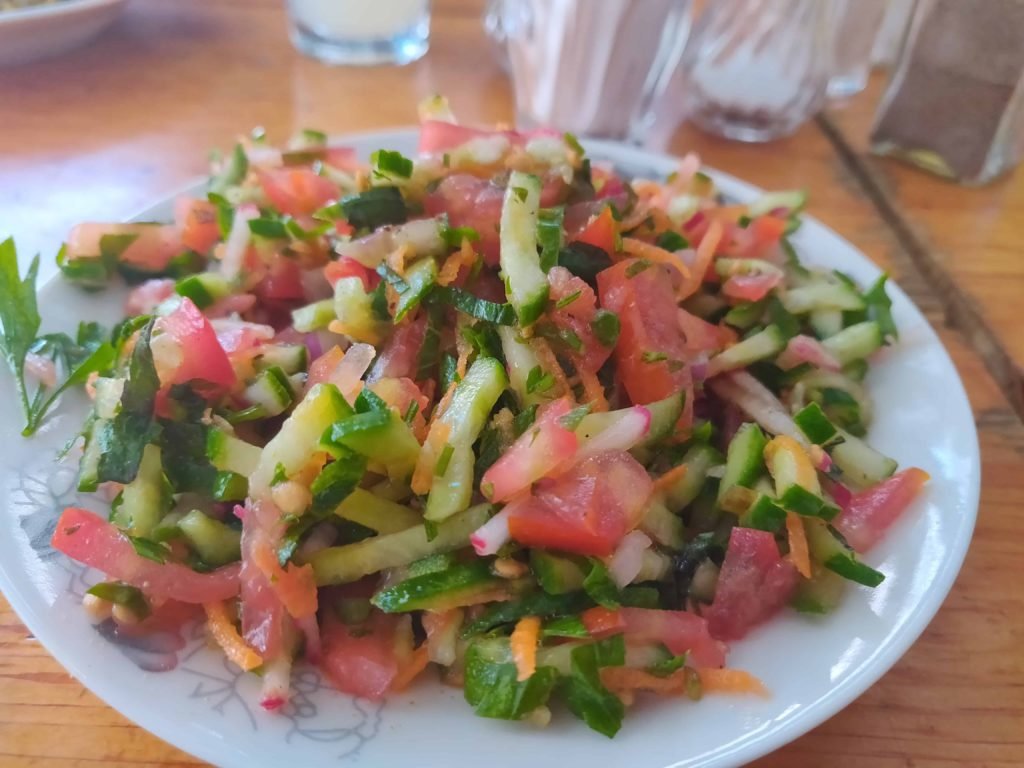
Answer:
(744, 459)
(860, 465)
(745, 315)
(381, 515)
(214, 542)
(144, 500)
(815, 424)
(520, 359)
(419, 279)
(354, 309)
(389, 440)
(290, 358)
(204, 289)
(726, 267)
(520, 262)
(88, 465)
(466, 416)
(664, 416)
(831, 552)
(340, 565)
(854, 343)
(557, 575)
(764, 514)
(313, 317)
(271, 391)
(807, 298)
(439, 590)
(826, 322)
(231, 454)
(299, 438)
(698, 460)
(760, 346)
(791, 200)
(819, 594)
(662, 526)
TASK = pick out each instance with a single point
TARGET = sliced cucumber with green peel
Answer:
(387, 439)
(830, 551)
(299, 437)
(698, 460)
(854, 343)
(381, 515)
(204, 288)
(760, 346)
(520, 262)
(744, 461)
(290, 358)
(146, 499)
(355, 312)
(826, 322)
(664, 416)
(419, 279)
(556, 574)
(664, 527)
(466, 415)
(821, 593)
(340, 565)
(313, 317)
(271, 391)
(822, 296)
(521, 360)
(791, 200)
(859, 464)
(439, 590)
(214, 542)
(231, 454)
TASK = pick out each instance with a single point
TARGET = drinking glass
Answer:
(591, 67)
(361, 32)
(758, 69)
(856, 26)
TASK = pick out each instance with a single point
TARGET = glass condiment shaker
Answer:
(758, 69)
(955, 104)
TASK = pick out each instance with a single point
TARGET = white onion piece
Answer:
(276, 688)
(492, 535)
(238, 241)
(260, 154)
(757, 401)
(347, 377)
(804, 349)
(628, 558)
(622, 435)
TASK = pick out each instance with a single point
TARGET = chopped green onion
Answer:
(606, 327)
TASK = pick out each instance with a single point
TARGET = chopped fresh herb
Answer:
(500, 314)
(584, 260)
(280, 475)
(565, 626)
(672, 241)
(574, 144)
(521, 193)
(336, 481)
(444, 460)
(371, 209)
(269, 228)
(122, 594)
(653, 357)
(667, 666)
(566, 301)
(388, 164)
(599, 586)
(312, 136)
(572, 419)
(606, 327)
(232, 171)
(638, 266)
(411, 411)
(453, 236)
(550, 229)
(524, 419)
(585, 695)
(537, 380)
(149, 549)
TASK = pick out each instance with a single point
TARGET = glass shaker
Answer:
(955, 104)
(856, 26)
(758, 69)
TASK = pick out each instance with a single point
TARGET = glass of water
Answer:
(361, 32)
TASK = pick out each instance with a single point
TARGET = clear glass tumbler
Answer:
(361, 32)
(856, 25)
(758, 69)
(591, 66)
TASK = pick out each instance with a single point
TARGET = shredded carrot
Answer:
(423, 475)
(411, 670)
(804, 471)
(464, 257)
(705, 253)
(645, 188)
(798, 552)
(593, 391)
(549, 363)
(294, 585)
(727, 213)
(670, 478)
(643, 250)
(465, 349)
(524, 646)
(628, 679)
(640, 212)
(730, 681)
(224, 633)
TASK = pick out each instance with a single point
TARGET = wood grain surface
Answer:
(107, 130)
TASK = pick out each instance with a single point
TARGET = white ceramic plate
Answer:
(813, 667)
(38, 32)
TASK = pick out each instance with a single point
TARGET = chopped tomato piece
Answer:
(85, 537)
(602, 231)
(361, 659)
(283, 281)
(151, 249)
(755, 582)
(346, 266)
(586, 510)
(297, 191)
(197, 224)
(679, 631)
(202, 356)
(870, 512)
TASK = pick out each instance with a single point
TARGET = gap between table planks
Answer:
(956, 699)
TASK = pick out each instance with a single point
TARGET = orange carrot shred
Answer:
(730, 681)
(423, 475)
(549, 363)
(593, 391)
(622, 679)
(798, 552)
(464, 257)
(651, 252)
(396, 259)
(524, 646)
(411, 670)
(223, 632)
(670, 478)
(705, 253)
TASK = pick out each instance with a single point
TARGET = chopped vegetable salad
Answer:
(494, 414)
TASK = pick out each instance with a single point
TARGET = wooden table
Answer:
(106, 130)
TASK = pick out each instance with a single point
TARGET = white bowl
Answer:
(38, 32)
